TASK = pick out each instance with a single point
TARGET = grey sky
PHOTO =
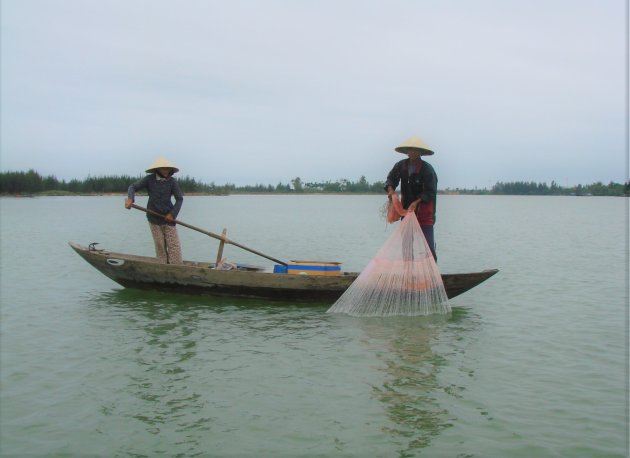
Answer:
(250, 92)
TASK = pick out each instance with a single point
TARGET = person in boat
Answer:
(161, 187)
(418, 185)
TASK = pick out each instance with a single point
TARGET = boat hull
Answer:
(142, 272)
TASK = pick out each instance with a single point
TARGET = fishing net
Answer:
(402, 279)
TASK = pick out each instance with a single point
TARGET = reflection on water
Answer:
(177, 353)
(160, 337)
(146, 300)
(412, 386)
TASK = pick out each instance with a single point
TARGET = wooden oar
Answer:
(211, 234)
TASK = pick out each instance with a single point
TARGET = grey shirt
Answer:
(160, 191)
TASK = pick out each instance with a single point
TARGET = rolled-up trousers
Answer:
(167, 247)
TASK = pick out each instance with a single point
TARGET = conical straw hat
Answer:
(417, 143)
(161, 163)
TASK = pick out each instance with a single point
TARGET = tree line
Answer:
(542, 189)
(31, 182)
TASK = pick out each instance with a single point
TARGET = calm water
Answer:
(532, 363)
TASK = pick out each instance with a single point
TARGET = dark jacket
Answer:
(160, 192)
(417, 184)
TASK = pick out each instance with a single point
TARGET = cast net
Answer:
(402, 279)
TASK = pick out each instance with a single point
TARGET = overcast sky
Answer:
(263, 91)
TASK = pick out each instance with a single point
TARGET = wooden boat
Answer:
(147, 273)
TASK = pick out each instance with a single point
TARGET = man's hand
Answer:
(128, 203)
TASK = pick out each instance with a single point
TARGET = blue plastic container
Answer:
(279, 269)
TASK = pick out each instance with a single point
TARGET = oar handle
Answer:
(208, 233)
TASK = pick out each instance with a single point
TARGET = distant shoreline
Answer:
(32, 183)
(206, 194)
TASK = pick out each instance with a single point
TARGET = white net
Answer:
(402, 279)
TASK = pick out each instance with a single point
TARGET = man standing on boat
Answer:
(161, 186)
(418, 185)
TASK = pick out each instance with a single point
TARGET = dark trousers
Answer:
(427, 230)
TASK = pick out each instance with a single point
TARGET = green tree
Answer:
(297, 184)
